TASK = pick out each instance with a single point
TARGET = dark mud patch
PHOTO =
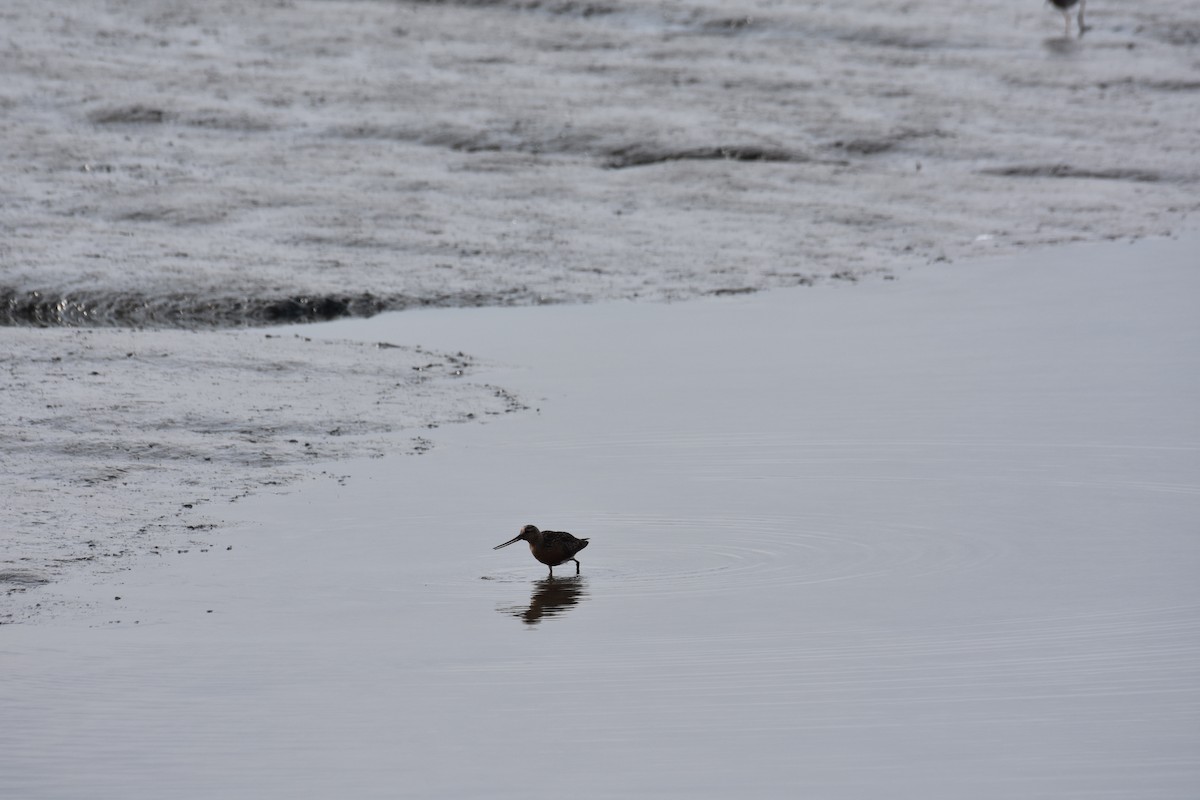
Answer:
(1161, 85)
(99, 309)
(731, 25)
(518, 136)
(867, 147)
(136, 114)
(147, 114)
(877, 145)
(181, 216)
(1067, 171)
(568, 8)
(889, 39)
(18, 580)
(220, 120)
(642, 155)
(509, 136)
(788, 279)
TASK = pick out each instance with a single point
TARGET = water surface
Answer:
(932, 537)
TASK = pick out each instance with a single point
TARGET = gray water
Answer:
(928, 538)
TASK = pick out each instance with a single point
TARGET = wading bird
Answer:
(1065, 7)
(549, 547)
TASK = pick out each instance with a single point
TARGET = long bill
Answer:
(510, 541)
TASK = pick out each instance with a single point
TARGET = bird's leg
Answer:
(551, 572)
(1082, 27)
(576, 560)
(1067, 19)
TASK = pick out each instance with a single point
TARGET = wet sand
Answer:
(211, 163)
(932, 537)
(124, 444)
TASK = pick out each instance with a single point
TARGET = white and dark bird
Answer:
(1065, 7)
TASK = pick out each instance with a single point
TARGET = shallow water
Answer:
(933, 538)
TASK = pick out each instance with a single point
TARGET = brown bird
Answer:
(1065, 7)
(549, 547)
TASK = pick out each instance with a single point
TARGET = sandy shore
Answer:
(120, 444)
(202, 163)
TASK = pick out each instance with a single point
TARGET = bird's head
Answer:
(529, 533)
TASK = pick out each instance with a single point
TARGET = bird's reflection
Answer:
(1061, 46)
(551, 597)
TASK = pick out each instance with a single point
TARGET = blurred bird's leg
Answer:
(1082, 28)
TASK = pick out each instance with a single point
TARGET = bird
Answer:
(552, 548)
(1065, 7)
